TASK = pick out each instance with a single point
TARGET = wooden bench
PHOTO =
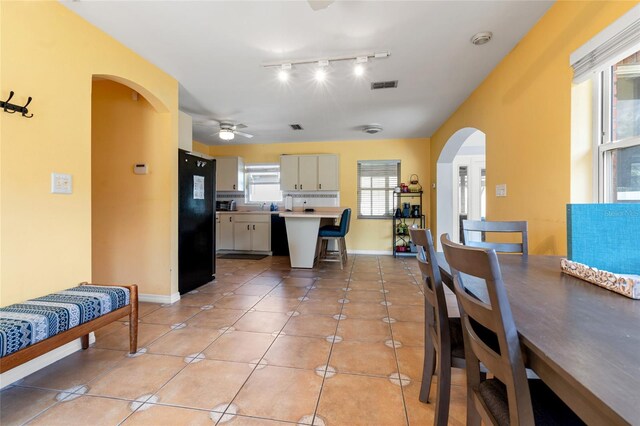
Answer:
(22, 323)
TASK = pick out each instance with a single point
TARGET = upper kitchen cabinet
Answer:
(309, 172)
(229, 174)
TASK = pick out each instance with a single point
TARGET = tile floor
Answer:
(260, 345)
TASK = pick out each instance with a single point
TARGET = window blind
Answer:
(376, 181)
(608, 47)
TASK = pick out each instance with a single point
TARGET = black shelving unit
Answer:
(402, 224)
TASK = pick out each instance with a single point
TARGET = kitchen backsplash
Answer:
(313, 199)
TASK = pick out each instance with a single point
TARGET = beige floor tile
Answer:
(297, 281)
(277, 304)
(375, 359)
(199, 299)
(320, 307)
(254, 289)
(85, 410)
(110, 328)
(365, 296)
(410, 361)
(137, 376)
(365, 285)
(365, 276)
(237, 301)
(328, 294)
(289, 292)
(239, 346)
(361, 400)
(205, 384)
(364, 311)
(170, 315)
(413, 297)
(215, 318)
(298, 352)
(119, 340)
(409, 333)
(407, 313)
(265, 280)
(253, 421)
(311, 326)
(217, 287)
(145, 308)
(184, 341)
(364, 330)
(162, 415)
(420, 413)
(279, 393)
(76, 369)
(262, 322)
(18, 404)
(332, 282)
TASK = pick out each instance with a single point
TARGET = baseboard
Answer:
(159, 298)
(372, 252)
(42, 361)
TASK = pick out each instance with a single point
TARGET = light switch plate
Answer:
(501, 190)
(61, 183)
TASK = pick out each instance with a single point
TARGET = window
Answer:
(263, 183)
(376, 181)
(619, 146)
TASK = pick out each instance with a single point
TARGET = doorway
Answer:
(461, 182)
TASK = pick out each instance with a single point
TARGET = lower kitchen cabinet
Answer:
(224, 232)
(243, 232)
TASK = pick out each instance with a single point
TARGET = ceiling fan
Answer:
(319, 4)
(227, 130)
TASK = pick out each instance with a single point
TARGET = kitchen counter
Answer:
(247, 212)
(302, 232)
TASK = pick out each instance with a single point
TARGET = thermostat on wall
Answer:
(140, 169)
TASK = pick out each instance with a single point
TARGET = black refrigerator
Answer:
(196, 221)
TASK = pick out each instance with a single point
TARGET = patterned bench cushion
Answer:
(24, 324)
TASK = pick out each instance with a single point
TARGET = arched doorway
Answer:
(461, 177)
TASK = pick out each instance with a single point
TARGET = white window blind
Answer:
(376, 181)
(609, 46)
(263, 183)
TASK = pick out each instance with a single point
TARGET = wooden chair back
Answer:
(436, 313)
(507, 365)
(469, 226)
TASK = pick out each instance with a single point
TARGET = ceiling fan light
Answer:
(226, 134)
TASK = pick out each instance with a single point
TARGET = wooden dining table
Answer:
(582, 340)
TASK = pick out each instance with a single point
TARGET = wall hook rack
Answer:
(13, 108)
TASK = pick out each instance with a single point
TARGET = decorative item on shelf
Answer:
(404, 187)
(398, 213)
(397, 189)
(402, 229)
(415, 210)
(406, 207)
(414, 185)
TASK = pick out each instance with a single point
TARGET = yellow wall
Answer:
(131, 221)
(51, 54)
(200, 147)
(524, 108)
(364, 234)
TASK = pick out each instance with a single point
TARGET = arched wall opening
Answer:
(132, 217)
(467, 142)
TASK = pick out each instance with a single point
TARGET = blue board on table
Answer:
(605, 236)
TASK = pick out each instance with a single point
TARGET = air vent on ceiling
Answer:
(384, 85)
(296, 127)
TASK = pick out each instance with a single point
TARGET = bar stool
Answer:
(337, 233)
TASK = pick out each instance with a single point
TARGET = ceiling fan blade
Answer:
(246, 135)
(319, 4)
(215, 134)
(241, 126)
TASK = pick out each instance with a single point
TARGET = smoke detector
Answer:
(481, 38)
(372, 129)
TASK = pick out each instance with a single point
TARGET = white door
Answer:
(226, 173)
(260, 236)
(289, 172)
(308, 172)
(226, 232)
(328, 173)
(242, 236)
(469, 192)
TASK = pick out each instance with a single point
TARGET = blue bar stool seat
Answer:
(337, 233)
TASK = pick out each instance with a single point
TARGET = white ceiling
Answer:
(215, 49)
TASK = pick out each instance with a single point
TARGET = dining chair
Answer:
(337, 233)
(510, 398)
(471, 227)
(443, 341)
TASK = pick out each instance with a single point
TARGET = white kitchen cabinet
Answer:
(217, 231)
(328, 173)
(252, 232)
(309, 172)
(229, 174)
(226, 241)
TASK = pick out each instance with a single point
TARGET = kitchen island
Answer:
(302, 232)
